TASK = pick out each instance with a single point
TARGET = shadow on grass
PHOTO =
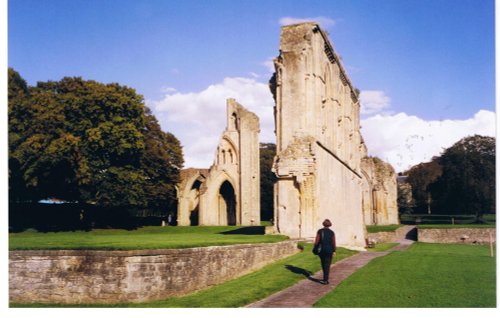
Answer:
(298, 270)
(248, 230)
(304, 272)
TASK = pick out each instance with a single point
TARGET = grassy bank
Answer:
(426, 275)
(383, 228)
(153, 237)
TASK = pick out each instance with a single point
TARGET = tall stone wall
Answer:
(318, 139)
(106, 277)
(229, 192)
(249, 152)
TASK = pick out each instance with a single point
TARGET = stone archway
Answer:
(227, 203)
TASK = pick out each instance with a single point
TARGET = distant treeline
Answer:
(460, 182)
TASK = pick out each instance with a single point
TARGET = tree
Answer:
(267, 180)
(18, 94)
(161, 164)
(88, 142)
(406, 203)
(467, 184)
(420, 177)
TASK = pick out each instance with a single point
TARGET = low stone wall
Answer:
(75, 277)
(457, 235)
(389, 237)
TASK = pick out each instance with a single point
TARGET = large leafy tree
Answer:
(85, 141)
(467, 183)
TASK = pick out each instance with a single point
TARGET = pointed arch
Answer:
(227, 203)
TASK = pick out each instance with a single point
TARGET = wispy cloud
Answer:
(269, 64)
(324, 22)
(373, 102)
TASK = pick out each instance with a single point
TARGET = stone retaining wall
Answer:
(457, 235)
(389, 237)
(75, 277)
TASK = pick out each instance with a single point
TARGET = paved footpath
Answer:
(308, 291)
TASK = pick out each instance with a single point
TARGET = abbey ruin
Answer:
(322, 163)
(320, 149)
(229, 192)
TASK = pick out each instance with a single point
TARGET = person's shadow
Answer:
(301, 271)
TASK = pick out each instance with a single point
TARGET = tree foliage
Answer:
(460, 181)
(84, 141)
(420, 177)
(267, 180)
(467, 184)
(406, 202)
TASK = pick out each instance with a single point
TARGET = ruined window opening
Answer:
(234, 121)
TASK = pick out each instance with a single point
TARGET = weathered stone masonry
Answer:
(457, 235)
(228, 193)
(321, 162)
(76, 277)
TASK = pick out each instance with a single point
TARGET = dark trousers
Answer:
(326, 261)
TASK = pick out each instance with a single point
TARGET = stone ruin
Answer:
(229, 192)
(321, 160)
(321, 163)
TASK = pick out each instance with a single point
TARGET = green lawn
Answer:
(425, 276)
(383, 228)
(152, 237)
(241, 291)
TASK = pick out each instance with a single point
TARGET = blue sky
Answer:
(428, 65)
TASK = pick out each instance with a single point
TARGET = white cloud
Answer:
(404, 140)
(324, 22)
(373, 102)
(198, 119)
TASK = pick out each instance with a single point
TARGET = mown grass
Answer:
(152, 237)
(241, 291)
(425, 276)
(383, 228)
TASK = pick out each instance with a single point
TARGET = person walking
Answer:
(325, 240)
